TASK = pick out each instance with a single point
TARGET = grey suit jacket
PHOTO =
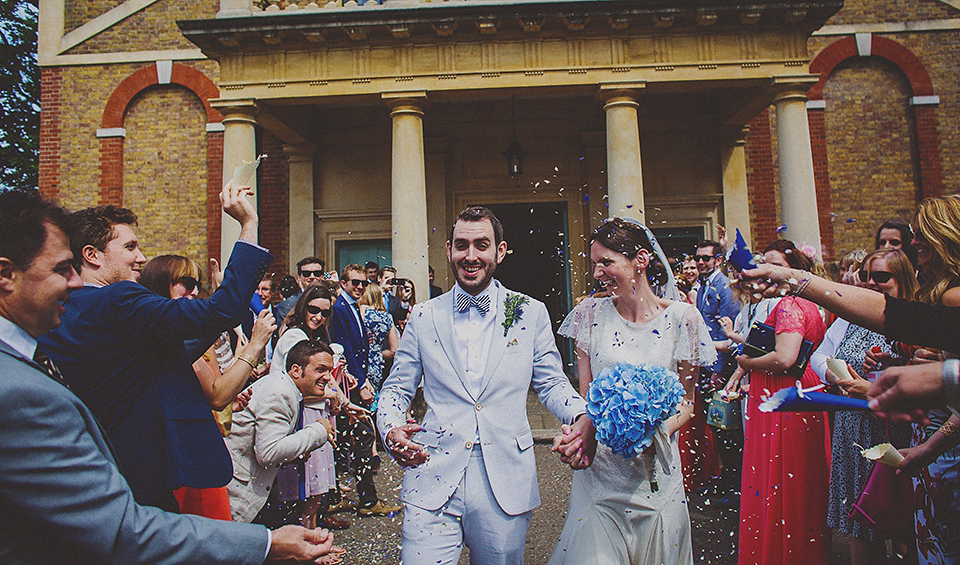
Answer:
(262, 438)
(62, 499)
(496, 414)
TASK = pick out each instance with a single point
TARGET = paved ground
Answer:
(377, 540)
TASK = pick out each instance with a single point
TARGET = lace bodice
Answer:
(677, 334)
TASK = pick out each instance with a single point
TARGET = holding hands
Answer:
(576, 444)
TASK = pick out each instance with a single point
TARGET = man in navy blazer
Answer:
(121, 350)
(63, 499)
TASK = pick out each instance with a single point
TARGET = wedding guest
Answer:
(783, 500)
(616, 515)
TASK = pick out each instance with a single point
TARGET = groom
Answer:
(475, 350)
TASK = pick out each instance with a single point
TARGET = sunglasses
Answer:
(309, 273)
(189, 283)
(878, 277)
(699, 258)
(359, 282)
(314, 310)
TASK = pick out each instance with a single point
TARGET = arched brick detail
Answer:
(928, 134)
(182, 75)
(111, 149)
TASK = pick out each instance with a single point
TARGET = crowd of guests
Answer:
(253, 399)
(800, 475)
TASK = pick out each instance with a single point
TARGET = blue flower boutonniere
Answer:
(513, 310)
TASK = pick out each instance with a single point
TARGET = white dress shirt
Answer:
(17, 338)
(474, 332)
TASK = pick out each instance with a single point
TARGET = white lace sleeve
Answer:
(693, 340)
(579, 323)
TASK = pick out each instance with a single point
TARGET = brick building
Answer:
(381, 121)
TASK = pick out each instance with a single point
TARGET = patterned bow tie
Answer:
(481, 303)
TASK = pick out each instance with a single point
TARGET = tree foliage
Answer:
(19, 94)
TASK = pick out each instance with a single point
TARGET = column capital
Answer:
(299, 152)
(620, 92)
(405, 102)
(243, 110)
(790, 96)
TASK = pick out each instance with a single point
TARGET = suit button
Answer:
(479, 406)
(468, 445)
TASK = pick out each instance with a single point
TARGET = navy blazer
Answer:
(714, 301)
(121, 350)
(356, 346)
(64, 501)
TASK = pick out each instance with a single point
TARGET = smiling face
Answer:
(186, 287)
(354, 284)
(615, 271)
(265, 291)
(33, 298)
(706, 260)
(925, 253)
(317, 373)
(690, 271)
(121, 259)
(309, 274)
(474, 255)
(317, 311)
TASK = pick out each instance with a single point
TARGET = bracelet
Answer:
(248, 360)
(804, 282)
(949, 429)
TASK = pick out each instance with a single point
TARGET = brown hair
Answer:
(297, 318)
(627, 238)
(163, 271)
(795, 258)
(95, 226)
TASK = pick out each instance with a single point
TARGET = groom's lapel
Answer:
(443, 322)
(498, 343)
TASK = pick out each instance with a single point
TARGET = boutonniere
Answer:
(513, 309)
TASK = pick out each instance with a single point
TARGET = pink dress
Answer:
(783, 500)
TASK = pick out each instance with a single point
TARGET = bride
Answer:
(633, 510)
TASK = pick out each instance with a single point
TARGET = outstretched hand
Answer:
(296, 544)
(905, 393)
(576, 444)
(407, 452)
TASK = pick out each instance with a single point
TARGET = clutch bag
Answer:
(762, 339)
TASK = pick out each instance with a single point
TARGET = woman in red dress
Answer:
(783, 499)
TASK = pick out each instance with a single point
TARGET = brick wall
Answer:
(761, 181)
(50, 107)
(152, 28)
(272, 201)
(165, 171)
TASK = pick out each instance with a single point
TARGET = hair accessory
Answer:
(668, 290)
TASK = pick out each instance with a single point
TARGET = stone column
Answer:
(409, 190)
(300, 223)
(798, 194)
(736, 204)
(239, 146)
(624, 173)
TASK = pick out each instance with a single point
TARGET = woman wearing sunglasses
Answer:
(889, 271)
(174, 276)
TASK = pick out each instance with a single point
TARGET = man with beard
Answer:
(476, 350)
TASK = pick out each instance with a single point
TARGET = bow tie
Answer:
(481, 303)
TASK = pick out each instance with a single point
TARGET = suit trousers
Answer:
(471, 516)
(354, 450)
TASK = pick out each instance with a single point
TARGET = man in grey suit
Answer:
(476, 350)
(264, 435)
(62, 499)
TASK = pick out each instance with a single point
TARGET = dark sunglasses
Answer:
(309, 273)
(314, 310)
(189, 283)
(699, 258)
(359, 282)
(878, 277)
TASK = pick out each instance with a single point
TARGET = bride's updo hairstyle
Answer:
(628, 238)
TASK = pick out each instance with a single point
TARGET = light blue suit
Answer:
(459, 414)
(62, 499)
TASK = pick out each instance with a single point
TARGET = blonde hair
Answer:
(899, 266)
(938, 220)
(372, 296)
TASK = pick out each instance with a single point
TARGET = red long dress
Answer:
(783, 500)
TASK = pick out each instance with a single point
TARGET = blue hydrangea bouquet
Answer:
(627, 404)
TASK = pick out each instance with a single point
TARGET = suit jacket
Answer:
(121, 349)
(714, 301)
(458, 415)
(62, 499)
(356, 347)
(262, 438)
